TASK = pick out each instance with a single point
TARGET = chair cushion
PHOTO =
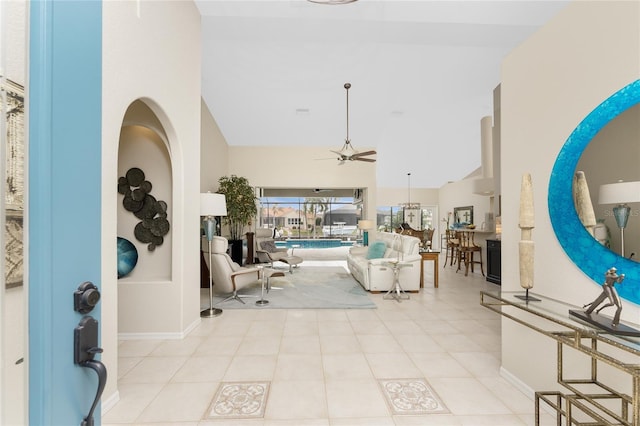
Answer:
(376, 250)
(269, 246)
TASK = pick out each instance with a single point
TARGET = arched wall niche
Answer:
(144, 144)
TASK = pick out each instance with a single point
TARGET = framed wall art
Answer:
(12, 107)
(462, 215)
(413, 217)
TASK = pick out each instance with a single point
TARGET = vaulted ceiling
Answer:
(422, 74)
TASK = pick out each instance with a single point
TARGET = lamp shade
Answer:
(619, 193)
(365, 224)
(213, 204)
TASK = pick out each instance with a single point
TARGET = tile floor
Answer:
(325, 367)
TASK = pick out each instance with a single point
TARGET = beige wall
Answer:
(549, 84)
(214, 155)
(144, 57)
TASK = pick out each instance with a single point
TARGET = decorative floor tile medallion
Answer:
(411, 396)
(239, 400)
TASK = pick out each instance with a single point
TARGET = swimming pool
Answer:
(314, 243)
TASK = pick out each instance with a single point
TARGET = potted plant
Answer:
(241, 209)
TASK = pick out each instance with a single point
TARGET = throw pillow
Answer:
(376, 250)
(268, 246)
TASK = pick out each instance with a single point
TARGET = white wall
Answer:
(151, 51)
(397, 196)
(214, 152)
(549, 84)
(460, 194)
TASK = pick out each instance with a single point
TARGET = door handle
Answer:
(101, 371)
(85, 340)
(85, 348)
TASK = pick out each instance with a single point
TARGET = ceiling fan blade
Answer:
(368, 160)
(362, 154)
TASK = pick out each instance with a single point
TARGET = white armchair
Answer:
(229, 277)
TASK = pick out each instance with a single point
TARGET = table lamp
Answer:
(211, 205)
(620, 193)
(364, 225)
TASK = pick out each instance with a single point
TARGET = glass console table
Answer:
(395, 291)
(587, 400)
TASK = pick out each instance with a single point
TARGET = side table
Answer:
(429, 255)
(396, 292)
(265, 276)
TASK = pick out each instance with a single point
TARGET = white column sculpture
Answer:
(526, 246)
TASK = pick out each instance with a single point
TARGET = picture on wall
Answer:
(12, 109)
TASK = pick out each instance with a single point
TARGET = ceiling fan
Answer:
(347, 152)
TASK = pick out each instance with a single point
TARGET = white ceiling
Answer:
(422, 73)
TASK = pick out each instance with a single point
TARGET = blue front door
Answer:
(64, 214)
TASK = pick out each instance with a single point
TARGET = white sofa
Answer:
(375, 275)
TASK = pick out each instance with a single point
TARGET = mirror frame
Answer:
(582, 248)
(457, 211)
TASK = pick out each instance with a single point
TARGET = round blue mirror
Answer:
(586, 252)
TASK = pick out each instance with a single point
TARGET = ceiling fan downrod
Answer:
(347, 86)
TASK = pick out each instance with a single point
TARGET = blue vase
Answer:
(127, 257)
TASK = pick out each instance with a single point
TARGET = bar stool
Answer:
(466, 251)
(451, 247)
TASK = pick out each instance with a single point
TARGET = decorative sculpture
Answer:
(608, 292)
(526, 246)
(153, 225)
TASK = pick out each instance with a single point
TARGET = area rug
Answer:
(309, 287)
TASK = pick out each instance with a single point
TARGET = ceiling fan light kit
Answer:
(347, 152)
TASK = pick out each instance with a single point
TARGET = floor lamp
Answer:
(364, 225)
(620, 193)
(211, 205)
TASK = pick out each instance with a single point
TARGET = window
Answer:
(315, 217)
(389, 218)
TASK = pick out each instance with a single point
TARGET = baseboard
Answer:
(159, 335)
(109, 403)
(522, 386)
(525, 389)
